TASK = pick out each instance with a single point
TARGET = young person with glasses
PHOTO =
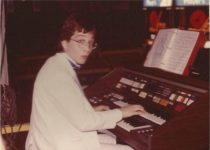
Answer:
(62, 118)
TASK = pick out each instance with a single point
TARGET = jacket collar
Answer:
(75, 65)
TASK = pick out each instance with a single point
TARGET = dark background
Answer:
(122, 26)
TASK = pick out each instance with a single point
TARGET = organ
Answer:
(177, 108)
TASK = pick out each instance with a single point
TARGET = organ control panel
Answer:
(177, 112)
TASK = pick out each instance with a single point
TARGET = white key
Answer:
(153, 118)
(129, 127)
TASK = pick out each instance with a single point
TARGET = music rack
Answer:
(178, 108)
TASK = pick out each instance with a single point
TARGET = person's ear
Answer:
(64, 44)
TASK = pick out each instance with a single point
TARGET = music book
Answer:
(174, 50)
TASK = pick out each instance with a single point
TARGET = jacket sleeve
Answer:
(65, 94)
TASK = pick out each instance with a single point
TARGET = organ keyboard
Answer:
(173, 106)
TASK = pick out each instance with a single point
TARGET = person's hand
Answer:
(101, 108)
(132, 110)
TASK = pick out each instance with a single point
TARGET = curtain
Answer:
(3, 50)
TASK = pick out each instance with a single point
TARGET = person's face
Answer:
(79, 46)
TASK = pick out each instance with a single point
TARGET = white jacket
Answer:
(62, 118)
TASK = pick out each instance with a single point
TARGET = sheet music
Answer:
(172, 50)
(179, 51)
(158, 49)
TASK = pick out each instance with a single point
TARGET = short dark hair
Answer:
(82, 22)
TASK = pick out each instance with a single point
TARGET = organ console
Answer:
(177, 108)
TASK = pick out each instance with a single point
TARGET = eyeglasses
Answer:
(84, 44)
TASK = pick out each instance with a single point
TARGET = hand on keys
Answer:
(132, 110)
